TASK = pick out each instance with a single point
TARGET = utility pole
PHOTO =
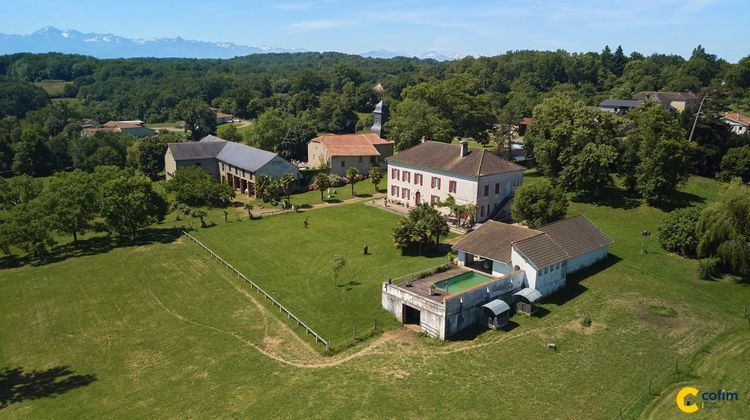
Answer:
(695, 121)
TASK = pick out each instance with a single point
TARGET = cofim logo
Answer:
(690, 399)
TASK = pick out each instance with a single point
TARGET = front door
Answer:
(417, 198)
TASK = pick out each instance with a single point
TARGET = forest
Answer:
(293, 97)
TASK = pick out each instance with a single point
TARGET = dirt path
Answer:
(309, 359)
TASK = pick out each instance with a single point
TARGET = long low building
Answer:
(236, 164)
(499, 266)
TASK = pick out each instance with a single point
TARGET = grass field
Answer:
(293, 264)
(362, 189)
(54, 88)
(161, 330)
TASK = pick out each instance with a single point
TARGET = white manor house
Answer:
(430, 171)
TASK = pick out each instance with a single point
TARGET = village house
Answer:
(128, 128)
(233, 163)
(738, 123)
(671, 101)
(431, 171)
(338, 152)
(499, 267)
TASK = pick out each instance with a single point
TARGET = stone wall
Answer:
(465, 309)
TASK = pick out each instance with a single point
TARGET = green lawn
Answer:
(54, 88)
(293, 264)
(161, 330)
(167, 125)
(362, 189)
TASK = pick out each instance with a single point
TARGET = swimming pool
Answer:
(462, 282)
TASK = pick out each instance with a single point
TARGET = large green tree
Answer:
(538, 203)
(199, 119)
(736, 163)
(129, 203)
(575, 144)
(268, 130)
(18, 190)
(413, 120)
(663, 152)
(724, 229)
(71, 201)
(195, 187)
(30, 152)
(28, 227)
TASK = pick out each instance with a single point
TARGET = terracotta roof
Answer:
(493, 240)
(666, 96)
(351, 144)
(576, 235)
(447, 157)
(735, 116)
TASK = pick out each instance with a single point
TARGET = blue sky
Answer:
(409, 26)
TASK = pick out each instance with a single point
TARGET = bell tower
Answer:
(380, 115)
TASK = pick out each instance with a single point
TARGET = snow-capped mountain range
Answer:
(51, 39)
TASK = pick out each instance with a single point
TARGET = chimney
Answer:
(464, 148)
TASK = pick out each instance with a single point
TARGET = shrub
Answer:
(677, 231)
(736, 163)
(336, 181)
(708, 268)
(586, 322)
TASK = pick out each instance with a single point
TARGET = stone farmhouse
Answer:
(499, 267)
(672, 101)
(233, 163)
(430, 171)
(338, 152)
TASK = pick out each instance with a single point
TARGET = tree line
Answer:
(333, 92)
(110, 199)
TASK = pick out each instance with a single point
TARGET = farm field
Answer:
(54, 88)
(160, 329)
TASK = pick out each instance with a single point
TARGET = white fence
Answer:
(289, 314)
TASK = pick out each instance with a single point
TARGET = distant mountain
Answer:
(390, 54)
(50, 39)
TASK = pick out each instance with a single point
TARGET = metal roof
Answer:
(498, 306)
(195, 150)
(619, 103)
(532, 295)
(244, 157)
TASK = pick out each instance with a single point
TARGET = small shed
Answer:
(497, 313)
(525, 299)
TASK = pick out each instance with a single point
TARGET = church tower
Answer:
(380, 115)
